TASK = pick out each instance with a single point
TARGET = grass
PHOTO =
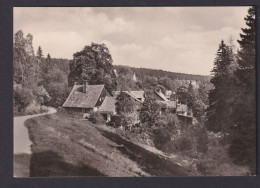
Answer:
(64, 146)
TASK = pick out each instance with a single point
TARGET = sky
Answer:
(177, 39)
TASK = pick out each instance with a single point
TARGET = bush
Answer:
(202, 141)
(184, 144)
(117, 121)
(22, 98)
(161, 137)
(96, 118)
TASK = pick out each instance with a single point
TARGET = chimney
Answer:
(85, 83)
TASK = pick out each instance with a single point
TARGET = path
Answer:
(22, 145)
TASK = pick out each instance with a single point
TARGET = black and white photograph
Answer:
(134, 91)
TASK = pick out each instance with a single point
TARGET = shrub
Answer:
(161, 137)
(184, 144)
(117, 121)
(22, 98)
(202, 141)
(96, 118)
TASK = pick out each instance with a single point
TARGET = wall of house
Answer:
(102, 96)
(185, 119)
(78, 110)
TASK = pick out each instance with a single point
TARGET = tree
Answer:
(39, 53)
(149, 112)
(25, 68)
(243, 146)
(48, 58)
(219, 97)
(94, 64)
(125, 103)
(190, 88)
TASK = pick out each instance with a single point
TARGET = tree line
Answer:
(38, 81)
(232, 102)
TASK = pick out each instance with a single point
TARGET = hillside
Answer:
(65, 147)
(142, 72)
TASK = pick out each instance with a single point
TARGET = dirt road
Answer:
(22, 143)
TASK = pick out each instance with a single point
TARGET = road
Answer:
(22, 145)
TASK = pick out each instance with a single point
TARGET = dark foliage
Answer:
(141, 72)
(149, 112)
(93, 64)
(243, 146)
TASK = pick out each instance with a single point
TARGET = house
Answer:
(136, 95)
(184, 114)
(173, 106)
(168, 94)
(84, 99)
(108, 107)
(158, 95)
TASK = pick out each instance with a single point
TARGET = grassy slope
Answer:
(63, 146)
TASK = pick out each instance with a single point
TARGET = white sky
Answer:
(178, 39)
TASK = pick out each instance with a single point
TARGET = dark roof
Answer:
(78, 99)
(108, 105)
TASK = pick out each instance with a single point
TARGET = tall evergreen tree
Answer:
(39, 53)
(243, 146)
(219, 96)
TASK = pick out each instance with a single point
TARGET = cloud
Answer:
(180, 39)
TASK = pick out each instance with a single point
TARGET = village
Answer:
(123, 102)
(86, 99)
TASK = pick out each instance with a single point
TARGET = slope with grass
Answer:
(64, 146)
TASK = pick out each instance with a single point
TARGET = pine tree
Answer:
(48, 57)
(219, 97)
(39, 53)
(243, 146)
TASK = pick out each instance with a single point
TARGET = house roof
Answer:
(78, 99)
(138, 94)
(134, 94)
(108, 105)
(161, 95)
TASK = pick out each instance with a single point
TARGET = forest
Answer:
(224, 103)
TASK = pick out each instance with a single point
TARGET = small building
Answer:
(84, 99)
(169, 93)
(158, 95)
(108, 108)
(137, 95)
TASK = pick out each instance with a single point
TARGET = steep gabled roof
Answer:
(78, 99)
(134, 94)
(161, 95)
(138, 94)
(108, 105)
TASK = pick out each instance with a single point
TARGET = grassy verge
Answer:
(63, 146)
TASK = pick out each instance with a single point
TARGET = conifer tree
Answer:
(219, 106)
(39, 53)
(243, 146)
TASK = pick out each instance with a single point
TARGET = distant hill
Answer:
(142, 72)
